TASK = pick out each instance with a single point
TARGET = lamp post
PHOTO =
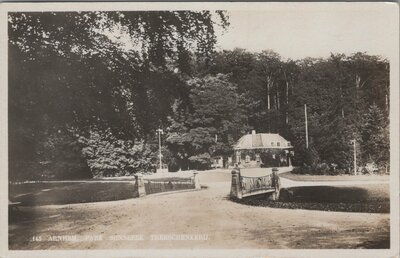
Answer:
(160, 131)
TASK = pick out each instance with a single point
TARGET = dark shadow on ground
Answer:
(365, 198)
(20, 215)
(383, 243)
(68, 193)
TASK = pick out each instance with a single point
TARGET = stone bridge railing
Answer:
(243, 186)
(158, 185)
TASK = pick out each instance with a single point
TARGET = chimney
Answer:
(253, 132)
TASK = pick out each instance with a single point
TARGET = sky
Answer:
(298, 30)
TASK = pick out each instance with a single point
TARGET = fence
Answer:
(166, 185)
(251, 185)
(243, 186)
(152, 186)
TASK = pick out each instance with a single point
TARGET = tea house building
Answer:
(262, 150)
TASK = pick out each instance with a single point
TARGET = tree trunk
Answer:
(225, 161)
(277, 98)
(269, 86)
(358, 80)
(387, 102)
(287, 92)
(341, 100)
(287, 118)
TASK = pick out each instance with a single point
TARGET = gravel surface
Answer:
(208, 212)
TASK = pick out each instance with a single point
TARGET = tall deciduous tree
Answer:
(68, 69)
(216, 122)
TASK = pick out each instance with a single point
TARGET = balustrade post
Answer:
(196, 180)
(276, 184)
(139, 188)
(236, 188)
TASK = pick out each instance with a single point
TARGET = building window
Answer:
(288, 143)
(272, 143)
(278, 144)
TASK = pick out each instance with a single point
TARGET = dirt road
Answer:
(206, 214)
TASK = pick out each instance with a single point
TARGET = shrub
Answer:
(341, 171)
(298, 170)
(109, 156)
(323, 169)
(57, 156)
(306, 157)
(201, 161)
(318, 169)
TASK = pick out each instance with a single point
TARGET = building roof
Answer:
(262, 141)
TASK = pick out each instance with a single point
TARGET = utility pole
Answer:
(355, 156)
(160, 131)
(305, 117)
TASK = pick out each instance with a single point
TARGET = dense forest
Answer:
(84, 102)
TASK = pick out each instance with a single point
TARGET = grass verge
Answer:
(363, 198)
(297, 177)
(69, 192)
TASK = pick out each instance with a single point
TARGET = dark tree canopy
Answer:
(68, 72)
(87, 90)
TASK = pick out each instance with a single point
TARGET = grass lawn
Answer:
(79, 191)
(70, 192)
(297, 177)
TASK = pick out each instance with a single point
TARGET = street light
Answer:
(160, 131)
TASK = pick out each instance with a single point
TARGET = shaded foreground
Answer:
(362, 198)
(95, 190)
(207, 212)
(71, 192)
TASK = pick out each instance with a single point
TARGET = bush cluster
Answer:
(319, 169)
(108, 156)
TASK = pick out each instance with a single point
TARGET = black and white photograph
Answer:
(219, 128)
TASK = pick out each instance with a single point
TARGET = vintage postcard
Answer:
(199, 129)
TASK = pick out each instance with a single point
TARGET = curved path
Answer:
(226, 224)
